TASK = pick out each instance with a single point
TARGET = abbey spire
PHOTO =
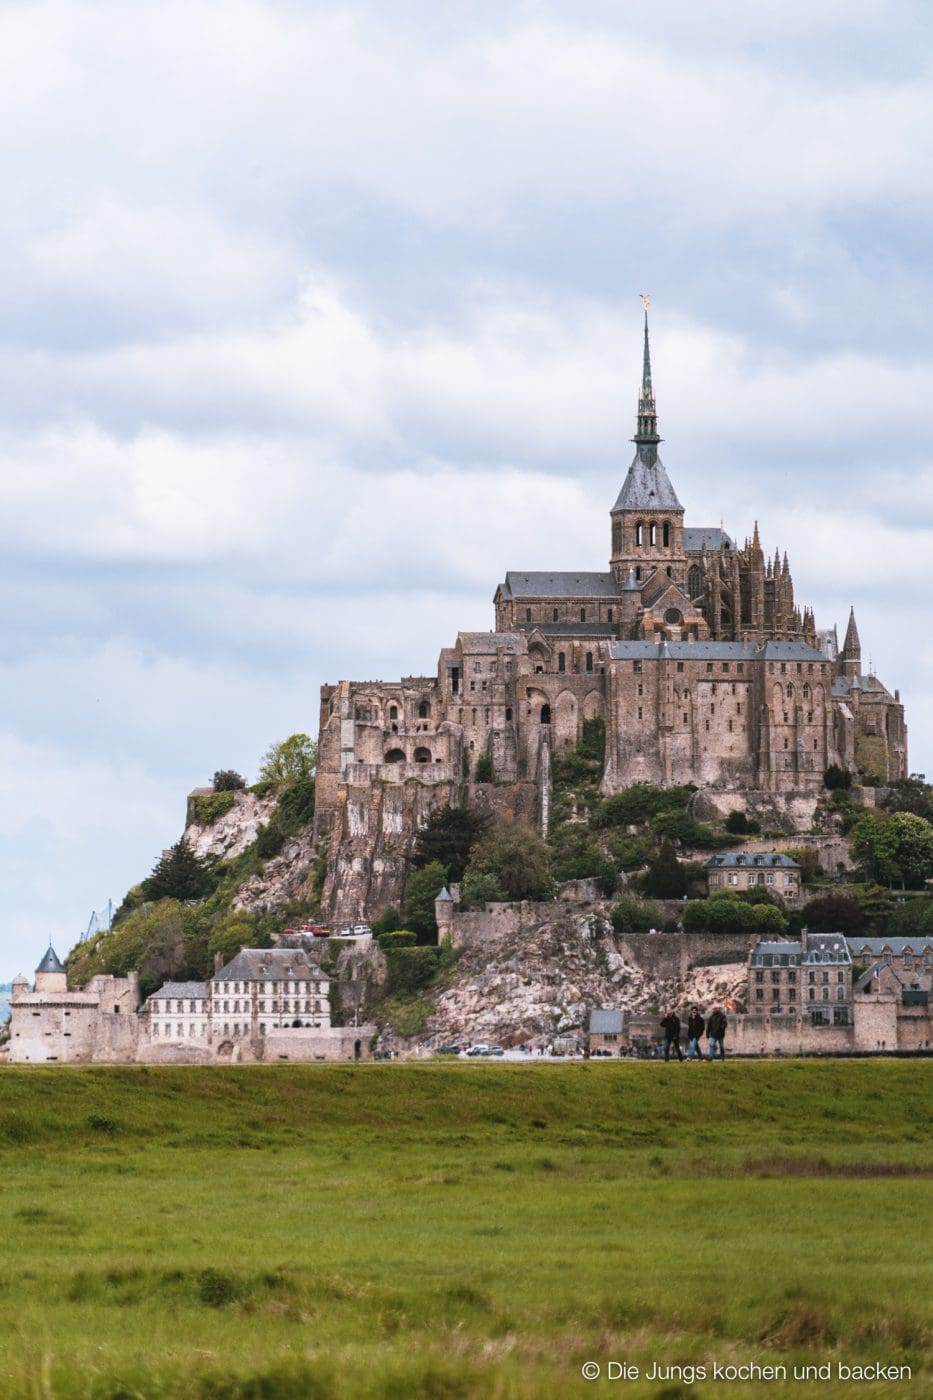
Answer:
(646, 432)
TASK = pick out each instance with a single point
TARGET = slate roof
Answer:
(569, 629)
(50, 962)
(647, 486)
(697, 537)
(791, 651)
(186, 991)
(822, 948)
(826, 948)
(920, 943)
(717, 651)
(783, 954)
(748, 860)
(685, 651)
(257, 964)
(560, 585)
(605, 1022)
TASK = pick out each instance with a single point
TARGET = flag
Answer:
(876, 972)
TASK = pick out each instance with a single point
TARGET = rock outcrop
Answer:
(534, 986)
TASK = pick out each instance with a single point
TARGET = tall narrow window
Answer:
(666, 534)
(653, 533)
(561, 661)
(639, 534)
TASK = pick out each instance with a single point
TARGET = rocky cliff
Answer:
(542, 983)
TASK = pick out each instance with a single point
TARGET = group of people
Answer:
(714, 1029)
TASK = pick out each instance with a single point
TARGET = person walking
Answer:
(695, 1027)
(716, 1030)
(671, 1028)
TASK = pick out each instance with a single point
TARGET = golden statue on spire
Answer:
(645, 301)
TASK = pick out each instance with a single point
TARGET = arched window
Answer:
(639, 534)
(395, 756)
(652, 533)
(666, 534)
(695, 581)
(424, 710)
(508, 712)
(589, 661)
(393, 712)
(790, 692)
(545, 714)
(638, 572)
(806, 692)
(528, 614)
(561, 661)
(422, 755)
(670, 571)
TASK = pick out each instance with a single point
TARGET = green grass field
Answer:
(453, 1230)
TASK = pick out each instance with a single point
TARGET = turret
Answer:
(850, 658)
(50, 975)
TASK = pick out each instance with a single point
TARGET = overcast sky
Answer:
(316, 318)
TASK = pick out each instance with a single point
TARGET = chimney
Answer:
(218, 961)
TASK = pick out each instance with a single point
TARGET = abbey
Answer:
(689, 647)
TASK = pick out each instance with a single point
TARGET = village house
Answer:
(747, 870)
(265, 1004)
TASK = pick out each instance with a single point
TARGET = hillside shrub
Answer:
(179, 874)
(630, 852)
(834, 913)
(836, 779)
(411, 970)
(398, 938)
(519, 859)
(640, 803)
(680, 826)
(289, 762)
(482, 887)
(447, 837)
(421, 890)
(228, 780)
(631, 915)
(665, 877)
(483, 773)
(724, 913)
(207, 807)
(388, 921)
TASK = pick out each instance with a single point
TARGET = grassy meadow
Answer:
(439, 1230)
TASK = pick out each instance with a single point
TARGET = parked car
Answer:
(361, 928)
(479, 1049)
(447, 1050)
(495, 1050)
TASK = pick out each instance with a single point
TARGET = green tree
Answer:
(665, 877)
(896, 849)
(834, 913)
(482, 888)
(291, 761)
(418, 905)
(447, 837)
(228, 780)
(631, 915)
(518, 857)
(737, 822)
(836, 778)
(179, 874)
(483, 772)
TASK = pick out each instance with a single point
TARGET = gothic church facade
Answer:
(690, 648)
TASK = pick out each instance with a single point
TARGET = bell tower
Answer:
(647, 518)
